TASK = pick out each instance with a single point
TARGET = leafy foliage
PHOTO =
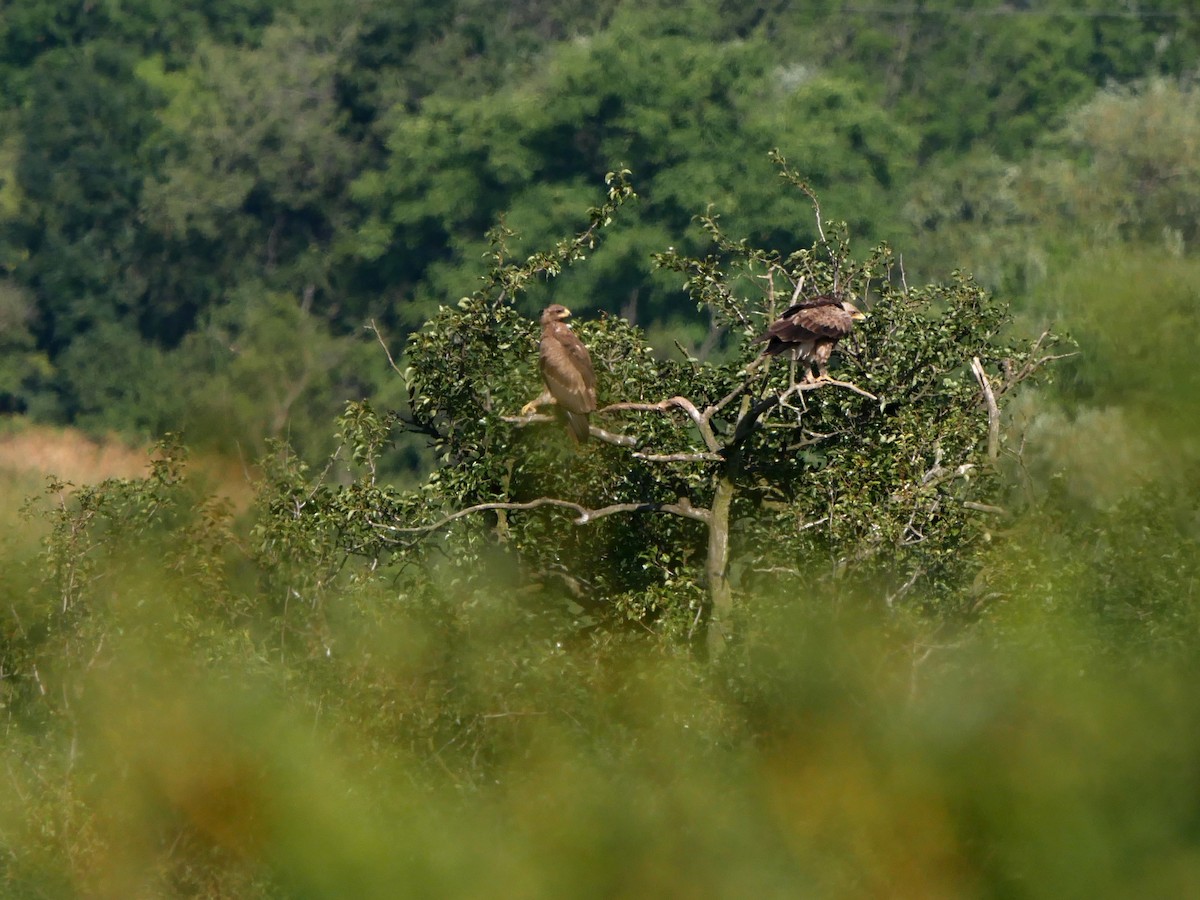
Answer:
(1117, 173)
(887, 477)
(693, 120)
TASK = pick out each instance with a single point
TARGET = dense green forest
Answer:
(925, 627)
(202, 204)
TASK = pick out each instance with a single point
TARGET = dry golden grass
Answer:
(31, 453)
(69, 455)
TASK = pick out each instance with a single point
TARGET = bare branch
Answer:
(799, 288)
(609, 437)
(379, 337)
(904, 588)
(1012, 379)
(993, 410)
(527, 419)
(682, 507)
(595, 431)
(805, 386)
(711, 411)
(687, 357)
(505, 715)
(706, 432)
(750, 417)
(984, 507)
(679, 457)
(813, 437)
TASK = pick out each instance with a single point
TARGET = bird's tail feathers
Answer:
(579, 425)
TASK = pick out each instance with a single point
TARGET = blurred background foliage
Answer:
(163, 162)
(204, 203)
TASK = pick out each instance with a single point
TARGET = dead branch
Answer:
(715, 408)
(706, 432)
(679, 457)
(813, 437)
(804, 386)
(682, 507)
(595, 431)
(984, 507)
(379, 337)
(796, 292)
(1012, 379)
(609, 437)
(904, 588)
(989, 397)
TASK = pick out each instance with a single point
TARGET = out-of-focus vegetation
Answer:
(239, 680)
(177, 724)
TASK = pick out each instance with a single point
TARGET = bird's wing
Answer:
(567, 370)
(806, 321)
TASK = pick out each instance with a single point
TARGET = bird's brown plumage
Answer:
(811, 330)
(567, 370)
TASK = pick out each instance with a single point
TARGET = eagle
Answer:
(567, 371)
(810, 330)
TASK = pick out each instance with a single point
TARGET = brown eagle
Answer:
(566, 370)
(810, 330)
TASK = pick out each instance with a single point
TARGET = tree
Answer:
(264, 366)
(253, 167)
(885, 473)
(23, 370)
(79, 176)
(983, 74)
(694, 118)
(1119, 174)
(1136, 175)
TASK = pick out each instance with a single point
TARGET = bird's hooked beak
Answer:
(565, 314)
(856, 314)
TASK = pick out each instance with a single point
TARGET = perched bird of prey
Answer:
(566, 370)
(810, 330)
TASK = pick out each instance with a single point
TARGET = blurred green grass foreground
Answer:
(172, 726)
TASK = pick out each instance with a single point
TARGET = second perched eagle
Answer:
(567, 371)
(810, 330)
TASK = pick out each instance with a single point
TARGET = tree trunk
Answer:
(717, 569)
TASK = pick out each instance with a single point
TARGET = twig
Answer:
(799, 288)
(814, 437)
(804, 386)
(904, 588)
(685, 354)
(1011, 380)
(379, 337)
(620, 440)
(507, 715)
(711, 411)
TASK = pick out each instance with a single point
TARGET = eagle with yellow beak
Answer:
(567, 372)
(810, 330)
